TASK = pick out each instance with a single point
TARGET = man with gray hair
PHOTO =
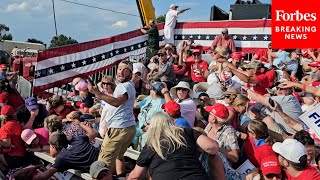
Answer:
(224, 134)
(224, 40)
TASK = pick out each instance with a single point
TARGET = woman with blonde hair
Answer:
(171, 151)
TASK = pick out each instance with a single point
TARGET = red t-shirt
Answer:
(43, 136)
(189, 61)
(264, 83)
(66, 110)
(309, 174)
(271, 75)
(12, 130)
(262, 156)
(262, 55)
(197, 69)
(15, 100)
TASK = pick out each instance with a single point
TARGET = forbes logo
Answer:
(296, 16)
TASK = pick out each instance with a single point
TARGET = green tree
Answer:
(161, 19)
(4, 33)
(33, 40)
(61, 40)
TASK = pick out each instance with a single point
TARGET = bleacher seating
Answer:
(130, 153)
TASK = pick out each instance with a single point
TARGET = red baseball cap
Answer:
(3, 66)
(315, 64)
(7, 110)
(196, 51)
(3, 97)
(171, 107)
(219, 110)
(270, 165)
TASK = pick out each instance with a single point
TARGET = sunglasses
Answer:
(196, 54)
(160, 55)
(224, 33)
(278, 88)
(104, 83)
(182, 89)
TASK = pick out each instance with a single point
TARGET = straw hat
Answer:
(181, 84)
(230, 91)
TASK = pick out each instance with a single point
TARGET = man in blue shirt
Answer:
(173, 109)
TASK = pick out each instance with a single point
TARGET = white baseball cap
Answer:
(290, 149)
(173, 5)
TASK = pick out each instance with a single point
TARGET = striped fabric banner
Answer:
(59, 66)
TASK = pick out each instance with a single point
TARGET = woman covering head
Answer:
(53, 123)
(168, 147)
(58, 106)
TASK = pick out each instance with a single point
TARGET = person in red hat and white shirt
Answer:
(292, 156)
(12, 146)
(224, 134)
(173, 109)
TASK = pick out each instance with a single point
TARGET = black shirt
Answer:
(79, 155)
(42, 114)
(88, 101)
(183, 163)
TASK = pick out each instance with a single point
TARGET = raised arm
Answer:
(183, 10)
(310, 89)
(256, 97)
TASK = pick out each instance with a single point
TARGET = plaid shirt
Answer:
(225, 136)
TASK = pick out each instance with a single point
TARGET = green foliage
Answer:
(4, 33)
(61, 40)
(161, 19)
(33, 40)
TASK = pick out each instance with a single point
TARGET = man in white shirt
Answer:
(121, 121)
(170, 24)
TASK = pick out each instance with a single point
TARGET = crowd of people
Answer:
(189, 118)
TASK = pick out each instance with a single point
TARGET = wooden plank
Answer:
(131, 153)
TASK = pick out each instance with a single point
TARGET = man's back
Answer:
(79, 155)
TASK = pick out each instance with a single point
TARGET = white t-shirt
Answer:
(171, 18)
(188, 110)
(122, 116)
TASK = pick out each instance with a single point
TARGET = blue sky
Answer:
(34, 18)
